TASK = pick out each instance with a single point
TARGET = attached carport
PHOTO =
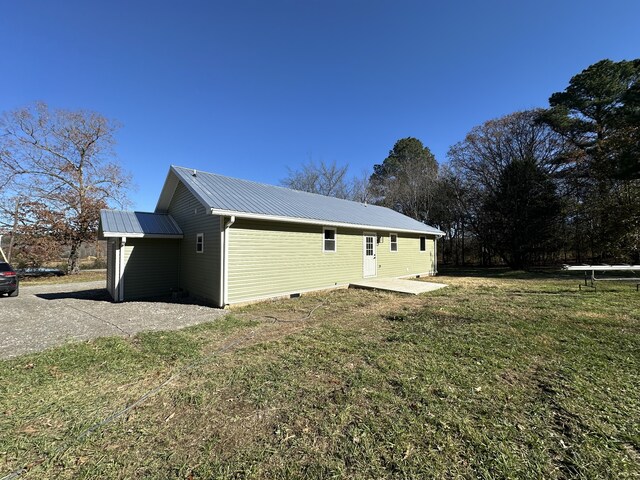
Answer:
(143, 253)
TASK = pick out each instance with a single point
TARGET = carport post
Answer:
(123, 243)
(2, 251)
(435, 254)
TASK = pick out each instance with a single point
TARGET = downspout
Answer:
(123, 244)
(224, 280)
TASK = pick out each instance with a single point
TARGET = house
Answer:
(226, 241)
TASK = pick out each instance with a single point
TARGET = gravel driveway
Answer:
(44, 316)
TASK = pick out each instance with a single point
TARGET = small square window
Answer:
(393, 242)
(329, 244)
(423, 244)
(200, 243)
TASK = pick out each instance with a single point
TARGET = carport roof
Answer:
(118, 223)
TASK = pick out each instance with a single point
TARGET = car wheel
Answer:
(14, 293)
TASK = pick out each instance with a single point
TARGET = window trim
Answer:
(391, 243)
(335, 239)
(421, 239)
(200, 242)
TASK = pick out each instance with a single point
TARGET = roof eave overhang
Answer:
(140, 235)
(309, 221)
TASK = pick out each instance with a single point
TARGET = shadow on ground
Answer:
(102, 295)
(96, 294)
(539, 273)
(501, 272)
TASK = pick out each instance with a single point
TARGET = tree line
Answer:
(543, 186)
(552, 185)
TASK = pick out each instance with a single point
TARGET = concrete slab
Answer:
(400, 285)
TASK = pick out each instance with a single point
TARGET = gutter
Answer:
(140, 235)
(326, 223)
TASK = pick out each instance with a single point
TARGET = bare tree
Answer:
(326, 178)
(488, 163)
(449, 214)
(489, 148)
(62, 164)
(360, 188)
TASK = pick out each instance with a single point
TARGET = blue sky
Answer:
(247, 88)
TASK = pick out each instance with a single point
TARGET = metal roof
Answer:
(118, 223)
(244, 198)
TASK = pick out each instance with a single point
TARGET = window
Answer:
(329, 244)
(393, 242)
(368, 246)
(200, 243)
(423, 244)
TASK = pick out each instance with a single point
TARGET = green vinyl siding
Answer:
(199, 272)
(408, 260)
(151, 267)
(277, 258)
(268, 258)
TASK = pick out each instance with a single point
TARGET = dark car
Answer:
(8, 280)
(39, 272)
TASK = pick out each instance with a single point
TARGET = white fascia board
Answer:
(308, 221)
(167, 192)
(169, 189)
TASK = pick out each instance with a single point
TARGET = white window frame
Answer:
(200, 242)
(391, 243)
(422, 237)
(335, 240)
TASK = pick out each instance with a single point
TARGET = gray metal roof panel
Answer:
(243, 196)
(138, 223)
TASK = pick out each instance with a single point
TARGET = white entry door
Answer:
(370, 266)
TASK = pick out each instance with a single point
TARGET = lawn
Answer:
(82, 276)
(501, 375)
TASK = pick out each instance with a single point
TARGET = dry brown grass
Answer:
(491, 377)
(83, 276)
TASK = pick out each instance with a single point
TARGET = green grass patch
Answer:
(503, 376)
